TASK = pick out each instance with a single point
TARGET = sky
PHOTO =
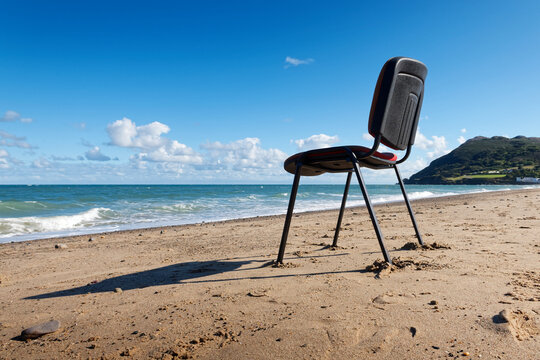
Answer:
(222, 92)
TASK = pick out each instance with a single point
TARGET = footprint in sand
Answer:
(378, 341)
(387, 298)
(520, 324)
(526, 285)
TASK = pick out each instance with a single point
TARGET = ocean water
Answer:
(42, 211)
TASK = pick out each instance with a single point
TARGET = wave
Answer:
(181, 208)
(20, 207)
(34, 224)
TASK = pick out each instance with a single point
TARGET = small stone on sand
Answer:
(60, 246)
(257, 293)
(117, 290)
(41, 329)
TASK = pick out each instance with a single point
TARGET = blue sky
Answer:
(222, 91)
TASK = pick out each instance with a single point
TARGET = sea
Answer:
(44, 211)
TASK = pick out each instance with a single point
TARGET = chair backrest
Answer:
(397, 101)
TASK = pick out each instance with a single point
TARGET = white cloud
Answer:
(125, 133)
(41, 163)
(95, 154)
(6, 160)
(62, 158)
(172, 151)
(411, 167)
(11, 116)
(7, 139)
(148, 139)
(6, 135)
(290, 61)
(367, 136)
(461, 139)
(316, 142)
(4, 156)
(463, 130)
(244, 154)
(438, 145)
(383, 148)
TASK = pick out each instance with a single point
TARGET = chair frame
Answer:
(356, 162)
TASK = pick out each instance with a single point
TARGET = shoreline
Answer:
(131, 227)
(206, 291)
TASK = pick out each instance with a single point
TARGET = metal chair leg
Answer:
(288, 218)
(371, 213)
(408, 206)
(342, 209)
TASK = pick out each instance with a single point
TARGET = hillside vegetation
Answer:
(481, 160)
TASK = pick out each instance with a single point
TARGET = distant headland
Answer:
(482, 160)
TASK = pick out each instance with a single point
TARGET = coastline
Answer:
(205, 290)
(132, 221)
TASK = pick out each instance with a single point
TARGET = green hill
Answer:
(481, 160)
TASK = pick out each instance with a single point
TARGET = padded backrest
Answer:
(397, 101)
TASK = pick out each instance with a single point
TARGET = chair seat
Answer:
(336, 159)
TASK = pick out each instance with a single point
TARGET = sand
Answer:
(208, 291)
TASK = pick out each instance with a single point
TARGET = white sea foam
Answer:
(33, 224)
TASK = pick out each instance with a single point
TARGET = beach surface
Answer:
(209, 291)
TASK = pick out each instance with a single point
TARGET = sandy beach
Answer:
(208, 291)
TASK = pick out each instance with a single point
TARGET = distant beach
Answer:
(37, 212)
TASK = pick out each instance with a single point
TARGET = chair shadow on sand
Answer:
(186, 272)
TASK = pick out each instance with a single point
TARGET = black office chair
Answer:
(393, 120)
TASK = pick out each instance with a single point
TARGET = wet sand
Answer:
(208, 291)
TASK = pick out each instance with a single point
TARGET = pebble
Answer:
(433, 302)
(128, 352)
(91, 239)
(118, 290)
(60, 246)
(41, 329)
